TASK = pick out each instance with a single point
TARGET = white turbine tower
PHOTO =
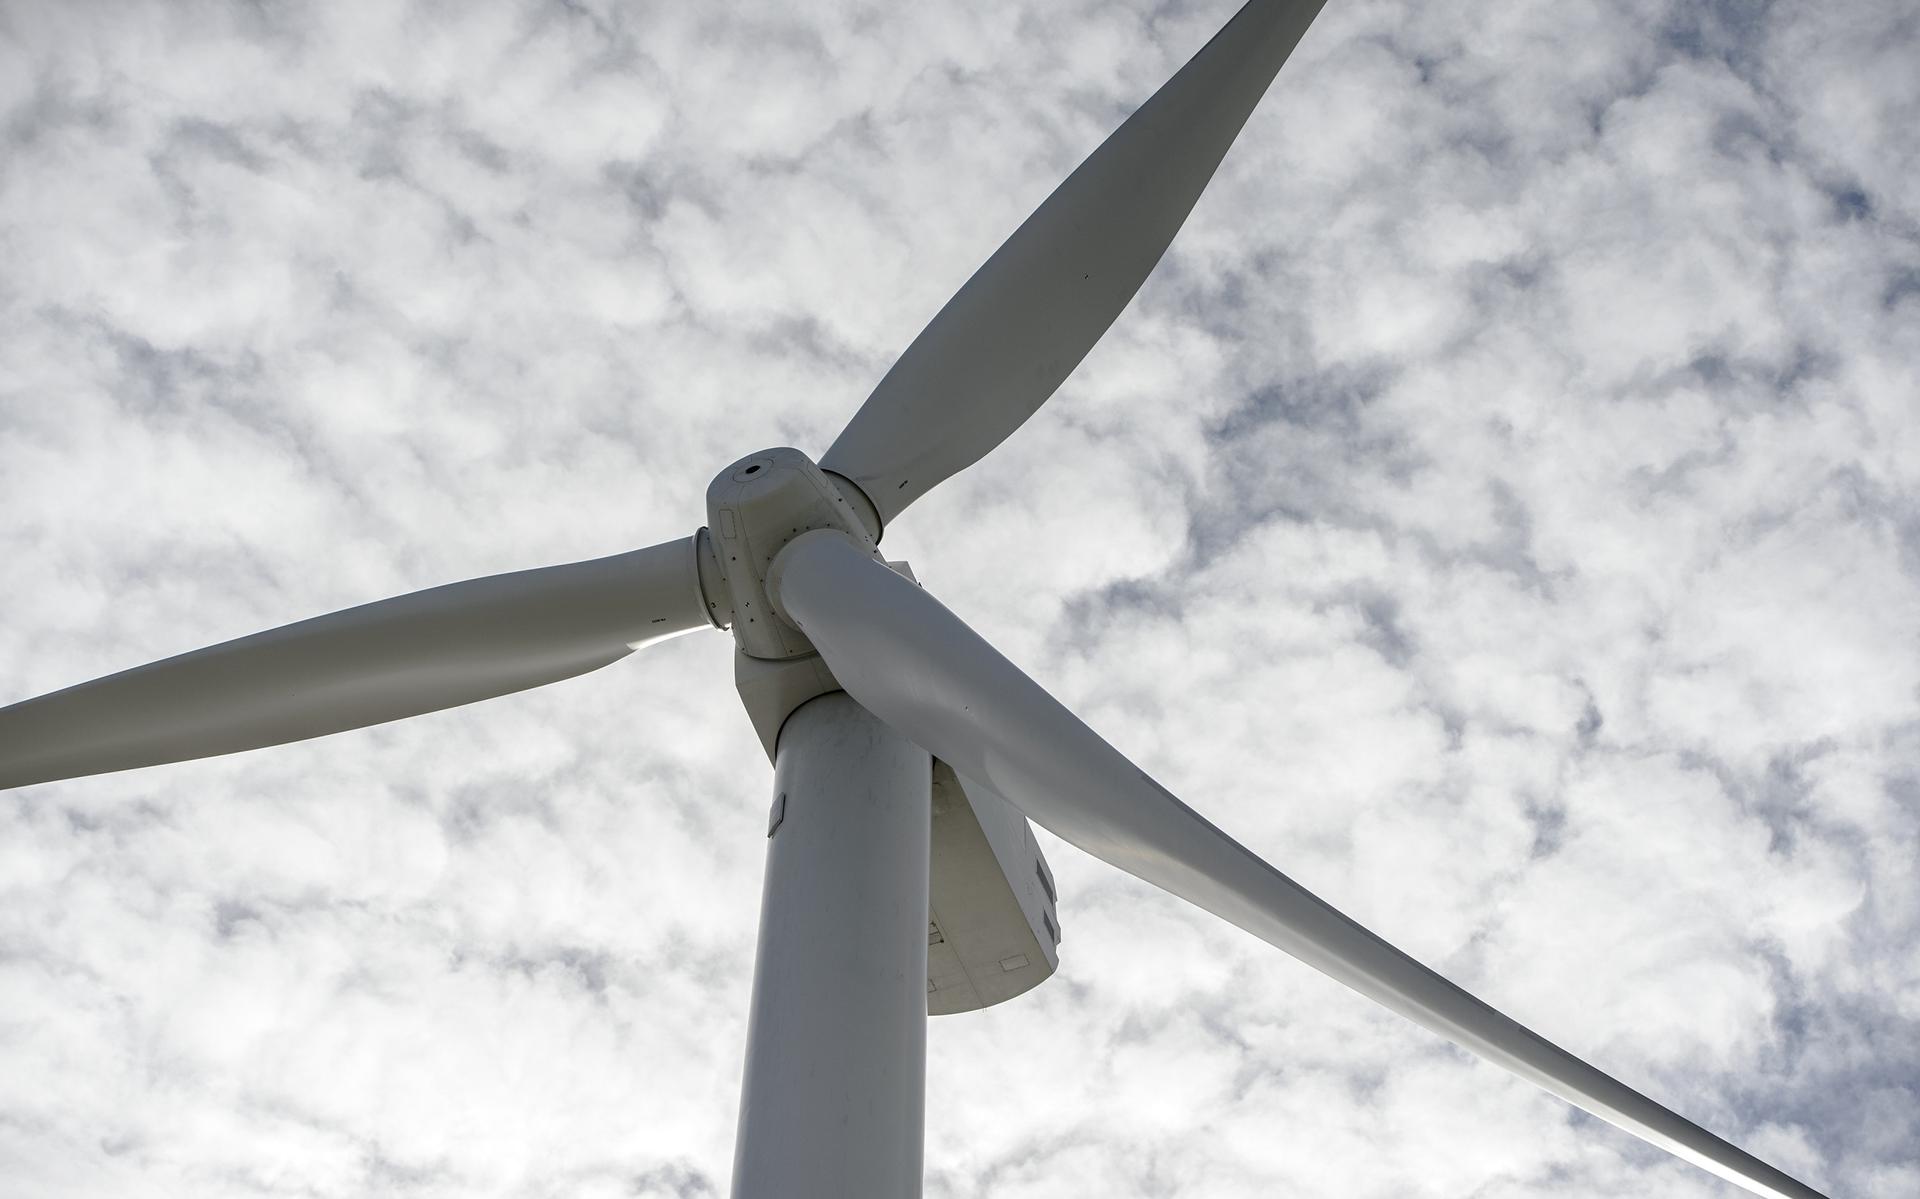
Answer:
(908, 753)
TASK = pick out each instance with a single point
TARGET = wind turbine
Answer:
(902, 742)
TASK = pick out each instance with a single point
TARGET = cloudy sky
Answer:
(1498, 511)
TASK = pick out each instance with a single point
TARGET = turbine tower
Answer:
(909, 754)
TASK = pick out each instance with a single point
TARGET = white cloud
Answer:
(1498, 511)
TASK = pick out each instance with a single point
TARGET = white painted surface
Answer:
(833, 1100)
(988, 907)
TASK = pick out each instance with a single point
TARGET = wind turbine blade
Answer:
(398, 657)
(922, 670)
(1027, 317)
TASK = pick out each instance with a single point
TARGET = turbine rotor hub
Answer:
(754, 508)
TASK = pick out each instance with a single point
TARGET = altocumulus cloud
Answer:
(1498, 511)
